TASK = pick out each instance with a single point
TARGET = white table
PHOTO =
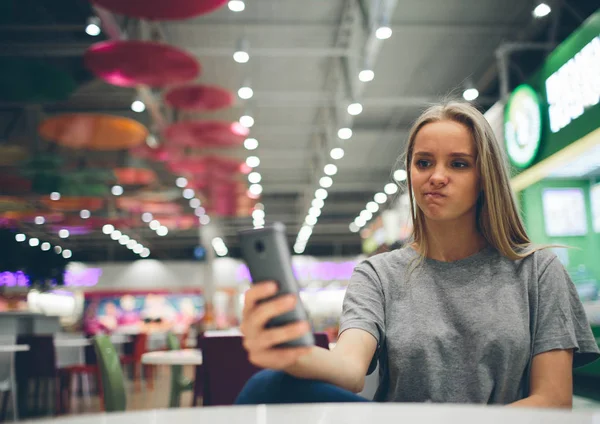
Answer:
(341, 414)
(83, 342)
(14, 348)
(173, 357)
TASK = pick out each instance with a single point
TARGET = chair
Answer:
(179, 383)
(227, 368)
(7, 380)
(113, 383)
(134, 358)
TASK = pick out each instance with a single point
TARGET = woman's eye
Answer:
(460, 164)
(422, 163)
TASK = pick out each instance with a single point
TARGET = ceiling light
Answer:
(39, 220)
(138, 106)
(247, 121)
(241, 56)
(138, 249)
(345, 133)
(360, 222)
(93, 26)
(298, 249)
(64, 233)
(154, 224)
(541, 10)
(254, 177)
(131, 244)
(181, 182)
(20, 237)
(470, 94)
(383, 32)
(33, 242)
(195, 203)
(84, 214)
(318, 203)
(55, 195)
(380, 198)
(151, 141)
(245, 93)
(372, 207)
(45, 246)
(256, 189)
(250, 143)
(115, 235)
(321, 193)
(336, 153)
(258, 214)
(366, 75)
(162, 231)
(366, 215)
(236, 5)
(147, 217)
(311, 220)
(252, 161)
(325, 182)
(200, 211)
(400, 175)
(116, 190)
(188, 193)
(67, 253)
(204, 220)
(316, 212)
(107, 229)
(58, 250)
(123, 239)
(355, 109)
(145, 253)
(390, 188)
(304, 233)
(354, 228)
(330, 169)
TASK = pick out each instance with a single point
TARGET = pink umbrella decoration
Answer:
(129, 63)
(199, 98)
(209, 168)
(206, 134)
(161, 10)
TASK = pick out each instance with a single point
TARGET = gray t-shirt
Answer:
(464, 331)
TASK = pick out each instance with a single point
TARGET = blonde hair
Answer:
(497, 216)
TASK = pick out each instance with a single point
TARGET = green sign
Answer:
(523, 126)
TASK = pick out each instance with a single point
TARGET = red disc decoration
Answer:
(73, 204)
(94, 132)
(206, 134)
(134, 205)
(180, 222)
(129, 63)
(135, 176)
(159, 154)
(161, 10)
(199, 98)
(207, 167)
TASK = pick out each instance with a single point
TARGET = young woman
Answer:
(469, 311)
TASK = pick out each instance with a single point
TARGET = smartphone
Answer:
(267, 255)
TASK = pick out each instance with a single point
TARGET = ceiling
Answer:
(304, 61)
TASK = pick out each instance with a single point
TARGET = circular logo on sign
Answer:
(523, 126)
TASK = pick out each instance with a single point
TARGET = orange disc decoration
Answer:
(94, 132)
(130, 63)
(199, 98)
(206, 134)
(135, 176)
(73, 204)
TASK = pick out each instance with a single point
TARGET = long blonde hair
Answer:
(497, 216)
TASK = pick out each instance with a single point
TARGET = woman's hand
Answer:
(259, 341)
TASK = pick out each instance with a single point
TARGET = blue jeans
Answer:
(269, 386)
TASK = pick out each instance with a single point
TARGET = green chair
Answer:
(113, 383)
(179, 383)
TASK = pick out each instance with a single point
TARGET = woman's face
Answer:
(444, 178)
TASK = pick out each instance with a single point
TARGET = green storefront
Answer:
(552, 137)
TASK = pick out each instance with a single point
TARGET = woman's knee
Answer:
(263, 387)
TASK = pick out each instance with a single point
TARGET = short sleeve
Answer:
(561, 319)
(364, 306)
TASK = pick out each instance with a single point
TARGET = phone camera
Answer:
(259, 246)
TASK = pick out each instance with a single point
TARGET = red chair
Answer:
(226, 368)
(134, 359)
